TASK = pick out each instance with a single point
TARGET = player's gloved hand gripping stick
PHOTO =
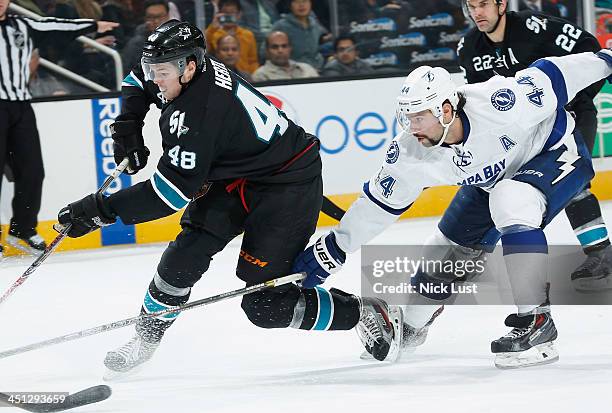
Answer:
(63, 232)
(320, 260)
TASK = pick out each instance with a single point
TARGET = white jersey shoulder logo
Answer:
(503, 100)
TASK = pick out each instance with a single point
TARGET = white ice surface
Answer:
(214, 360)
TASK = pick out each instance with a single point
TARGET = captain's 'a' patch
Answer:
(507, 143)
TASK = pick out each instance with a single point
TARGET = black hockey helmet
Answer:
(173, 42)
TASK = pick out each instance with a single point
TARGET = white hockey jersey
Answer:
(506, 123)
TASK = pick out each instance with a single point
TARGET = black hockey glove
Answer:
(129, 143)
(86, 215)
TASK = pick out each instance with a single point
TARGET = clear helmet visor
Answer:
(172, 69)
(417, 122)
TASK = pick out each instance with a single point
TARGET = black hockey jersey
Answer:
(528, 37)
(218, 129)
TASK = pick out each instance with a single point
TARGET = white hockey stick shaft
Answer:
(133, 320)
(60, 237)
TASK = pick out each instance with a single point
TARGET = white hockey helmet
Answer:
(426, 88)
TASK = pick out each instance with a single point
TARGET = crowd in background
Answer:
(273, 39)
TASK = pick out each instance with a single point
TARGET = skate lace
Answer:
(517, 332)
(590, 263)
(129, 351)
(371, 330)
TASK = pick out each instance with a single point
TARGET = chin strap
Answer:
(499, 17)
(446, 127)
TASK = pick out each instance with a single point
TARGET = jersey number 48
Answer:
(265, 117)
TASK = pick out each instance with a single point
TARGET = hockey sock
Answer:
(525, 255)
(320, 309)
(160, 296)
(584, 215)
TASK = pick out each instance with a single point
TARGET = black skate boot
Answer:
(411, 337)
(595, 273)
(31, 244)
(379, 329)
(529, 343)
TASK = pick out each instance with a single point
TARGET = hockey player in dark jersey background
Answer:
(238, 165)
(505, 42)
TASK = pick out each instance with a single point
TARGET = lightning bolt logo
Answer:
(567, 159)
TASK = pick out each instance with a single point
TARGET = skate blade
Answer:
(397, 320)
(118, 376)
(406, 351)
(544, 353)
(20, 245)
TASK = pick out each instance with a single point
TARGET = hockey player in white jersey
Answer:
(512, 147)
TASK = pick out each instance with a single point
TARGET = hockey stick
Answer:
(133, 320)
(88, 396)
(60, 237)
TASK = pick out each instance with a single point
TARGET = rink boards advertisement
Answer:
(355, 121)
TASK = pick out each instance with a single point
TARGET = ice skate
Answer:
(529, 343)
(412, 337)
(379, 329)
(129, 358)
(32, 245)
(595, 273)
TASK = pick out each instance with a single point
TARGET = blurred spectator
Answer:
(364, 10)
(156, 13)
(186, 9)
(226, 22)
(258, 16)
(175, 13)
(278, 65)
(543, 6)
(30, 5)
(319, 7)
(347, 61)
(80, 59)
(211, 8)
(84, 9)
(120, 11)
(228, 52)
(305, 33)
(41, 82)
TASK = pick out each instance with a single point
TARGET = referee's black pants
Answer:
(20, 149)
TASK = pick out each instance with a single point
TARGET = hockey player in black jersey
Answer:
(503, 43)
(238, 165)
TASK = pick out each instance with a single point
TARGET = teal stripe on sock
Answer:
(325, 309)
(589, 237)
(152, 306)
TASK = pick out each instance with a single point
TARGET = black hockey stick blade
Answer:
(84, 397)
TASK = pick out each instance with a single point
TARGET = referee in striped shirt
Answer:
(19, 140)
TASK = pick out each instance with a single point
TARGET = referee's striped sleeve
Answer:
(50, 24)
